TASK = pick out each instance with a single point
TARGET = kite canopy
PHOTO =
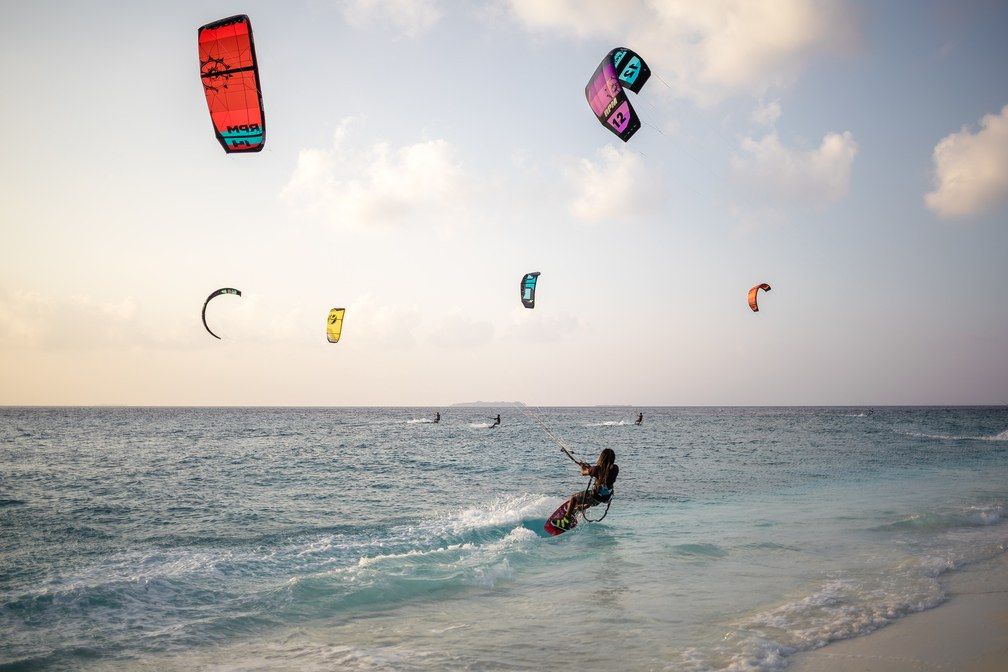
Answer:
(605, 91)
(528, 288)
(752, 295)
(230, 74)
(223, 290)
(334, 324)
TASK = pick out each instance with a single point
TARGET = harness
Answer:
(584, 498)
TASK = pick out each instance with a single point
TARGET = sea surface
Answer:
(373, 539)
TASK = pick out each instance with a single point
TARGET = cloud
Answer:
(789, 176)
(458, 330)
(389, 325)
(32, 319)
(971, 169)
(81, 322)
(534, 325)
(613, 187)
(382, 324)
(378, 185)
(767, 114)
(706, 50)
(22, 315)
(408, 18)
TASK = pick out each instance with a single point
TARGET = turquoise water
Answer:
(370, 539)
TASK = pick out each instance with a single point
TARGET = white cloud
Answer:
(536, 325)
(458, 330)
(21, 314)
(378, 185)
(706, 50)
(581, 18)
(613, 187)
(767, 114)
(382, 324)
(406, 17)
(971, 169)
(813, 177)
(31, 319)
(78, 322)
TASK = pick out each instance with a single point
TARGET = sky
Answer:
(422, 155)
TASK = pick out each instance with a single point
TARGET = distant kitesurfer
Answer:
(437, 417)
(604, 471)
(496, 421)
(640, 419)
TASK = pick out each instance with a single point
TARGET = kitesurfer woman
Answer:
(640, 419)
(437, 417)
(604, 471)
(496, 421)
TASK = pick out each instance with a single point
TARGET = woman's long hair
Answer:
(606, 459)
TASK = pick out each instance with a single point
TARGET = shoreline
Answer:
(967, 632)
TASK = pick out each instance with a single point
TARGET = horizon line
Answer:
(502, 405)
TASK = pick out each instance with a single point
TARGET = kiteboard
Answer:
(552, 529)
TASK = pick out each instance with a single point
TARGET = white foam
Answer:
(608, 423)
(985, 515)
(503, 510)
(969, 516)
(367, 561)
(478, 564)
(1002, 436)
(489, 576)
(478, 560)
(839, 608)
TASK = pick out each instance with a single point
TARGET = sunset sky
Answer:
(421, 156)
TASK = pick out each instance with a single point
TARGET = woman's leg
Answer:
(573, 504)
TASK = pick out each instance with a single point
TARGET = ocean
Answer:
(373, 539)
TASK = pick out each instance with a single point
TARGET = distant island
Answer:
(486, 404)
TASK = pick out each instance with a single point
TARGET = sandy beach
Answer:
(968, 633)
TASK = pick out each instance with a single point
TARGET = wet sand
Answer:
(968, 633)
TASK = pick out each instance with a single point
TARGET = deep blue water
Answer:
(371, 539)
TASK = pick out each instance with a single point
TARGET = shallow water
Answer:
(371, 539)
